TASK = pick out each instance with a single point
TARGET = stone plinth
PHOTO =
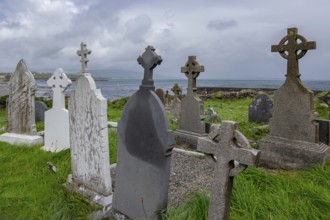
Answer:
(21, 139)
(186, 138)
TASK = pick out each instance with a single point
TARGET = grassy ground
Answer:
(28, 190)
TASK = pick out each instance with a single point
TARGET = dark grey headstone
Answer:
(324, 131)
(144, 151)
(260, 109)
(40, 108)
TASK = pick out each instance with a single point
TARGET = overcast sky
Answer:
(231, 38)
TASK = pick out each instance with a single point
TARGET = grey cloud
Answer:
(221, 24)
(137, 28)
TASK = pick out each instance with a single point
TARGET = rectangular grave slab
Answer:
(144, 150)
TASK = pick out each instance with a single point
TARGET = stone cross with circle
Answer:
(192, 69)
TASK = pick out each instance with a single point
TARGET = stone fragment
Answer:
(144, 150)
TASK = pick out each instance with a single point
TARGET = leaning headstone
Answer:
(89, 138)
(260, 109)
(293, 141)
(144, 150)
(161, 95)
(40, 109)
(57, 136)
(21, 127)
(191, 126)
(175, 109)
(232, 154)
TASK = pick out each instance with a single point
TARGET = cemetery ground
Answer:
(30, 190)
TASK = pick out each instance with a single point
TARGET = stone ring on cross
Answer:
(285, 40)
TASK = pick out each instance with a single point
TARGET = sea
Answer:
(117, 88)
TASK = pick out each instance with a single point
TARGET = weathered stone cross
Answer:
(149, 60)
(291, 49)
(232, 154)
(59, 83)
(83, 52)
(192, 69)
(176, 90)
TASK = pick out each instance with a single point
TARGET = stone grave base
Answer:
(94, 197)
(187, 138)
(54, 149)
(277, 152)
(28, 140)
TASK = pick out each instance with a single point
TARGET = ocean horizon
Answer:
(117, 88)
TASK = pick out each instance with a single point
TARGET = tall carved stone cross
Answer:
(149, 60)
(293, 47)
(83, 52)
(176, 90)
(232, 154)
(59, 82)
(192, 69)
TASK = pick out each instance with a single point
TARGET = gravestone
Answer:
(212, 116)
(57, 136)
(324, 131)
(232, 154)
(40, 109)
(21, 127)
(260, 109)
(161, 95)
(144, 150)
(293, 141)
(167, 99)
(89, 138)
(175, 109)
(191, 125)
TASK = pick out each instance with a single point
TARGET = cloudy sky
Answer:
(232, 39)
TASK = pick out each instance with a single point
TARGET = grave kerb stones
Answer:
(21, 127)
(144, 150)
(89, 139)
(57, 136)
(232, 154)
(191, 126)
(293, 141)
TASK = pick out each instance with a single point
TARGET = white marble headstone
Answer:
(57, 136)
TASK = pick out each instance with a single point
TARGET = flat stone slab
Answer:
(278, 152)
(28, 140)
(187, 138)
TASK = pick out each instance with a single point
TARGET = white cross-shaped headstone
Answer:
(59, 82)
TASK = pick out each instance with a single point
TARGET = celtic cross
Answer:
(149, 60)
(176, 90)
(59, 82)
(232, 154)
(83, 52)
(192, 69)
(293, 47)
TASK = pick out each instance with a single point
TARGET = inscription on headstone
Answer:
(89, 138)
(57, 119)
(293, 141)
(232, 154)
(144, 150)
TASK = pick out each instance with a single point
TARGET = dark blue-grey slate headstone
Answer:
(40, 108)
(144, 150)
(324, 131)
(260, 109)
